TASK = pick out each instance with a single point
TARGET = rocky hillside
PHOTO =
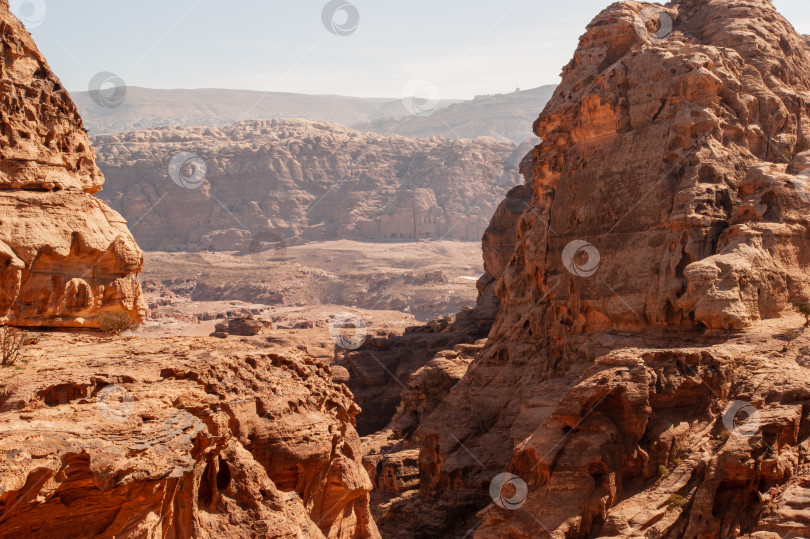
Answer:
(255, 184)
(646, 375)
(65, 256)
(177, 438)
(505, 117)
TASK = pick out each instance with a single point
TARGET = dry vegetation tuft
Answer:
(116, 323)
(12, 345)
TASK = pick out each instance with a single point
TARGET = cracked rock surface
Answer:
(177, 437)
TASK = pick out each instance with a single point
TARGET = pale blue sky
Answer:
(462, 47)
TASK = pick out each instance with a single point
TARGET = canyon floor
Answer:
(393, 284)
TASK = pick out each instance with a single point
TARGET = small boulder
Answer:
(245, 327)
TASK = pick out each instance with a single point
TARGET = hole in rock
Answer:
(62, 394)
(223, 475)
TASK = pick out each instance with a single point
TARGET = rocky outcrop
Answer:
(646, 375)
(177, 438)
(65, 257)
(246, 327)
(261, 185)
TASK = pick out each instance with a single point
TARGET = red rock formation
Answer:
(269, 180)
(177, 438)
(65, 256)
(649, 292)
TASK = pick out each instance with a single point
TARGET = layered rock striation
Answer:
(646, 374)
(65, 256)
(254, 185)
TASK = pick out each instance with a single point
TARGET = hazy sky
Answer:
(462, 47)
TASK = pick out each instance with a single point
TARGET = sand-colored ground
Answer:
(423, 279)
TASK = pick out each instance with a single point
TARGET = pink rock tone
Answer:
(295, 180)
(65, 256)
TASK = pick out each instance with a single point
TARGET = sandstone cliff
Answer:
(256, 182)
(646, 375)
(64, 255)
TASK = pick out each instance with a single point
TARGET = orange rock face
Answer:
(177, 438)
(65, 256)
(646, 375)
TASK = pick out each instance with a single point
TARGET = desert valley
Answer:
(575, 311)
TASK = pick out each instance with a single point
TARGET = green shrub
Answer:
(663, 471)
(115, 323)
(790, 335)
(676, 500)
(440, 324)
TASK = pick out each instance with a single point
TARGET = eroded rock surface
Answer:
(65, 256)
(177, 438)
(650, 291)
(258, 184)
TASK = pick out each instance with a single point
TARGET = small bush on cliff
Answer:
(790, 336)
(676, 500)
(116, 323)
(12, 345)
(663, 471)
(440, 324)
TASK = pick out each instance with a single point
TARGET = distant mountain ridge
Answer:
(506, 117)
(145, 108)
